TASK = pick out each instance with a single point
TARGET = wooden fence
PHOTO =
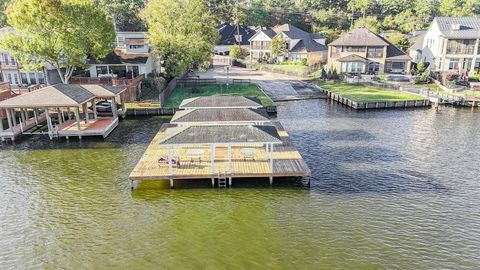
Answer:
(133, 85)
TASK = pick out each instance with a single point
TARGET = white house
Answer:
(300, 44)
(130, 58)
(11, 71)
(450, 44)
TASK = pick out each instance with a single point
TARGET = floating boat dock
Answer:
(221, 145)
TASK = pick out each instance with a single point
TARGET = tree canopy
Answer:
(62, 33)
(124, 13)
(182, 32)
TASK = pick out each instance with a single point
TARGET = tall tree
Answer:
(460, 7)
(182, 32)
(124, 13)
(361, 5)
(3, 17)
(61, 33)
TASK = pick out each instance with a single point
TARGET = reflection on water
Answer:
(390, 189)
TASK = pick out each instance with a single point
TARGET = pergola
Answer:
(63, 103)
(215, 116)
(222, 136)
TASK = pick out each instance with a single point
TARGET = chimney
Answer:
(455, 26)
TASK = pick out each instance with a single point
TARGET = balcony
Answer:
(266, 48)
(468, 51)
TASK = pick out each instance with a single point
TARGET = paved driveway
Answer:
(278, 87)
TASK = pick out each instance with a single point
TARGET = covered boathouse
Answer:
(62, 110)
(220, 144)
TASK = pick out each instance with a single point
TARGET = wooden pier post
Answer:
(171, 182)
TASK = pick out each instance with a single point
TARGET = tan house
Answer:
(362, 51)
(299, 44)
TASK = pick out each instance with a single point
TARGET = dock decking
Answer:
(287, 161)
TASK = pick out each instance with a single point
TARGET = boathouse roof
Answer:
(220, 102)
(220, 115)
(61, 95)
(237, 134)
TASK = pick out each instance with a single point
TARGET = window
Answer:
(352, 67)
(354, 49)
(398, 65)
(102, 70)
(461, 46)
(453, 63)
(7, 60)
(375, 52)
(15, 78)
(23, 75)
(33, 79)
(41, 78)
(134, 47)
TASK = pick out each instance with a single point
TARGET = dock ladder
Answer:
(222, 180)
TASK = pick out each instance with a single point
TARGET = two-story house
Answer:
(11, 71)
(300, 44)
(232, 34)
(130, 58)
(451, 44)
(362, 51)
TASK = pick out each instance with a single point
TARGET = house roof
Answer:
(61, 95)
(228, 32)
(308, 45)
(220, 102)
(239, 134)
(353, 58)
(291, 31)
(360, 36)
(266, 30)
(119, 56)
(216, 115)
(469, 26)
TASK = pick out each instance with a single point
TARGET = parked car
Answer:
(104, 107)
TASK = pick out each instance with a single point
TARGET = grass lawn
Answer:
(471, 93)
(142, 105)
(298, 70)
(366, 93)
(247, 90)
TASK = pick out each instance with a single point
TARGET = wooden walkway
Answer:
(287, 161)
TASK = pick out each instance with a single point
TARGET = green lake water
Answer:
(394, 189)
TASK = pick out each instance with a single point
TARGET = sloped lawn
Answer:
(367, 93)
(247, 90)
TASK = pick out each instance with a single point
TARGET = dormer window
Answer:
(238, 38)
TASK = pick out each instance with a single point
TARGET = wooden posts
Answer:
(49, 124)
(230, 160)
(271, 163)
(85, 112)
(114, 108)
(169, 158)
(77, 118)
(9, 118)
(35, 116)
(212, 158)
(94, 106)
(1, 125)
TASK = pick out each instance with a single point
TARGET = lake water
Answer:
(396, 189)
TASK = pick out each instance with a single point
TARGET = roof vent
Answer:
(455, 26)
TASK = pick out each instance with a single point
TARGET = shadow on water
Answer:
(130, 131)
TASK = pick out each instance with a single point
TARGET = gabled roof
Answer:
(469, 27)
(118, 56)
(308, 45)
(236, 134)
(291, 31)
(220, 102)
(360, 36)
(228, 32)
(353, 58)
(216, 115)
(61, 95)
(266, 30)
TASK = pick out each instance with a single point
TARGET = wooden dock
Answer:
(287, 161)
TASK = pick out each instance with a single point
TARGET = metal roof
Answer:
(216, 115)
(104, 90)
(220, 102)
(235, 134)
(469, 27)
